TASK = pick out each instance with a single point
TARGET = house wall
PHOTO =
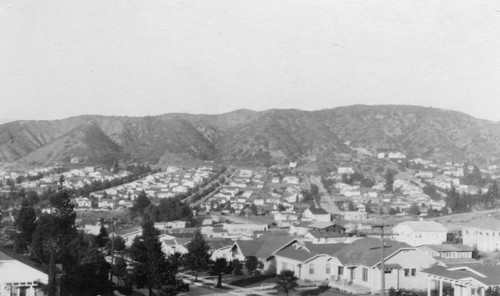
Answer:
(283, 263)
(15, 271)
(484, 240)
(407, 235)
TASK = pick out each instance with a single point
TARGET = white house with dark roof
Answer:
(466, 280)
(355, 267)
(483, 233)
(316, 214)
(20, 276)
(417, 233)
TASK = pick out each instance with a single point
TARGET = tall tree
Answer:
(251, 264)
(198, 256)
(141, 202)
(26, 224)
(389, 180)
(151, 269)
(287, 281)
(219, 267)
(102, 238)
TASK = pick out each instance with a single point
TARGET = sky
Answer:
(62, 58)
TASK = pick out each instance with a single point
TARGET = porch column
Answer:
(429, 282)
(18, 291)
(31, 291)
(440, 287)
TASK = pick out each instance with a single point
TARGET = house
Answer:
(316, 214)
(291, 180)
(129, 234)
(262, 249)
(354, 215)
(20, 276)
(221, 248)
(447, 251)
(82, 202)
(355, 267)
(417, 233)
(465, 279)
(482, 233)
(345, 170)
(171, 244)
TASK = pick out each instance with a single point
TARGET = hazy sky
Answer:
(60, 58)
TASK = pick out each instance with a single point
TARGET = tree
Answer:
(286, 282)
(219, 267)
(26, 224)
(119, 269)
(251, 264)
(102, 238)
(119, 244)
(140, 203)
(392, 211)
(197, 257)
(237, 268)
(389, 180)
(414, 210)
(151, 269)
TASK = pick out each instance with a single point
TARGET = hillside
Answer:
(253, 137)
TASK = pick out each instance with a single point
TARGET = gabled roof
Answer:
(8, 255)
(220, 243)
(323, 234)
(449, 248)
(486, 274)
(366, 251)
(264, 246)
(318, 211)
(424, 226)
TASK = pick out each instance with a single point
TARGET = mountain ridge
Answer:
(260, 137)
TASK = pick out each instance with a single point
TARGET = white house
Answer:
(483, 233)
(355, 267)
(316, 214)
(20, 276)
(345, 170)
(417, 233)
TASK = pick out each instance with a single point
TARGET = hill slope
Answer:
(255, 137)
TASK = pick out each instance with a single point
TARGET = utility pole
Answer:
(113, 221)
(382, 263)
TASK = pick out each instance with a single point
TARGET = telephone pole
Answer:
(382, 263)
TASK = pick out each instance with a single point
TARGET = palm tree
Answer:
(287, 282)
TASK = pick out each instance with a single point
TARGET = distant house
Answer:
(417, 233)
(483, 233)
(448, 253)
(129, 234)
(354, 215)
(316, 214)
(171, 245)
(291, 180)
(345, 170)
(82, 202)
(20, 276)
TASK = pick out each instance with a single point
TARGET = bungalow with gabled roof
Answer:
(262, 248)
(19, 275)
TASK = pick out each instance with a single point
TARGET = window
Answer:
(341, 270)
(388, 270)
(328, 268)
(365, 274)
(407, 272)
(413, 272)
(284, 266)
(311, 268)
